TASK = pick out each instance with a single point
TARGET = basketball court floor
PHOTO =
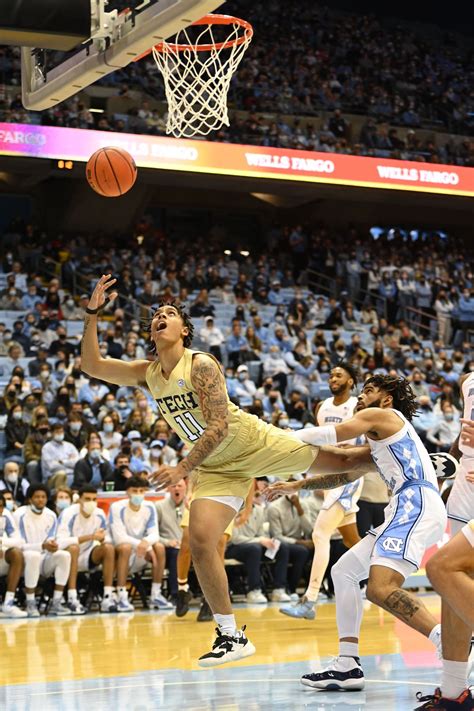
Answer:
(147, 660)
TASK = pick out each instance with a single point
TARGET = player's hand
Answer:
(99, 296)
(470, 477)
(51, 546)
(99, 535)
(467, 432)
(166, 476)
(274, 491)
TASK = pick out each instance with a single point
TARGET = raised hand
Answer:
(99, 297)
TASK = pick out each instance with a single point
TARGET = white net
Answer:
(197, 71)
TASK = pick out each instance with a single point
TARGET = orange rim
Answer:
(208, 20)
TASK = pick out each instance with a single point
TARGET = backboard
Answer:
(118, 36)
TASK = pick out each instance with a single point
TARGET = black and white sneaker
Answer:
(227, 649)
(343, 674)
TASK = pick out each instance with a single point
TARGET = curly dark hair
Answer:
(185, 318)
(351, 370)
(403, 396)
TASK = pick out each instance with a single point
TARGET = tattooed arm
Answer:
(209, 382)
(111, 370)
(344, 464)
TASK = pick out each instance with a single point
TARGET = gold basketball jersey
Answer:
(179, 404)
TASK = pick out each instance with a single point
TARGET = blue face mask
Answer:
(62, 504)
(136, 499)
(9, 503)
(35, 509)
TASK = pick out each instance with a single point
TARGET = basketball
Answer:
(111, 171)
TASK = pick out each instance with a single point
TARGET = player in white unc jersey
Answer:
(415, 518)
(82, 530)
(451, 571)
(11, 560)
(340, 504)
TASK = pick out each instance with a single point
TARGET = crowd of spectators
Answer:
(277, 339)
(328, 61)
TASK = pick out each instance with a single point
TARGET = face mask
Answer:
(87, 412)
(58, 437)
(89, 507)
(242, 376)
(283, 423)
(12, 478)
(95, 454)
(108, 427)
(70, 303)
(136, 445)
(17, 415)
(122, 405)
(11, 394)
(9, 504)
(155, 452)
(110, 404)
(75, 426)
(62, 504)
(324, 369)
(136, 499)
(136, 329)
(35, 509)
(44, 375)
(449, 418)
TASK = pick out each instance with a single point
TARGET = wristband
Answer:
(93, 312)
(317, 435)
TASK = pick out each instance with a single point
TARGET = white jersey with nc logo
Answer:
(331, 414)
(468, 398)
(402, 457)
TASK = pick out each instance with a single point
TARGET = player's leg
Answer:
(451, 566)
(32, 572)
(104, 555)
(326, 523)
(157, 558)
(183, 565)
(345, 672)
(59, 565)
(208, 520)
(72, 600)
(12, 566)
(350, 534)
(124, 557)
(205, 612)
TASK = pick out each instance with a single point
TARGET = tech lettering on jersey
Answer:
(177, 403)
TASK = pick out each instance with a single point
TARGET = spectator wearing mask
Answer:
(290, 524)
(110, 437)
(58, 458)
(213, 337)
(93, 468)
(35, 364)
(170, 512)
(37, 525)
(237, 345)
(418, 386)
(445, 431)
(16, 432)
(133, 526)
(13, 482)
(443, 307)
(465, 316)
(245, 389)
(93, 392)
(388, 291)
(75, 432)
(275, 367)
(62, 499)
(122, 471)
(32, 450)
(248, 544)
(140, 458)
(82, 531)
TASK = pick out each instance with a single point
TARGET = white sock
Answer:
(57, 595)
(454, 678)
(9, 597)
(123, 593)
(183, 585)
(434, 635)
(348, 649)
(155, 589)
(108, 590)
(226, 624)
(72, 595)
(30, 597)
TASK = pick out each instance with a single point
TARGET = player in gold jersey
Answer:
(228, 447)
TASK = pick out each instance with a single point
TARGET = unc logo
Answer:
(394, 545)
(181, 383)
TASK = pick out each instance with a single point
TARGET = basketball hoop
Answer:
(197, 69)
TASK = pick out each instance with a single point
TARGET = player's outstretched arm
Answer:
(341, 465)
(360, 424)
(111, 370)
